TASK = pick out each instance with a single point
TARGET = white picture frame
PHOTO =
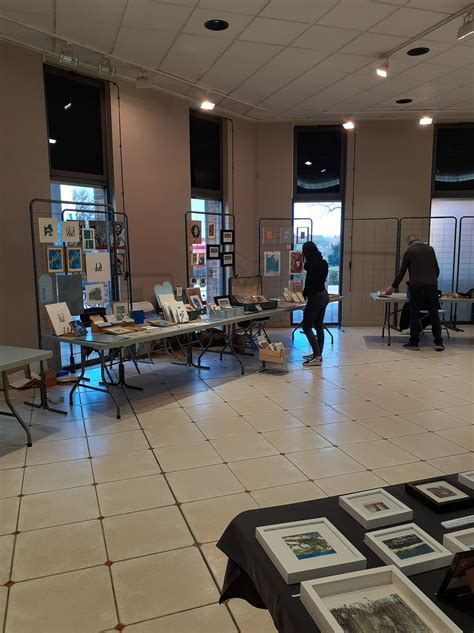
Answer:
(375, 508)
(98, 267)
(120, 310)
(271, 263)
(60, 317)
(467, 479)
(291, 555)
(48, 230)
(328, 598)
(460, 541)
(409, 548)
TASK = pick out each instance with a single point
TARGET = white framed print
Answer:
(378, 599)
(98, 267)
(460, 541)
(271, 263)
(120, 310)
(309, 549)
(408, 547)
(375, 508)
(60, 317)
(467, 479)
(48, 230)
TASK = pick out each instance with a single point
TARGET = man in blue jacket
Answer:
(422, 265)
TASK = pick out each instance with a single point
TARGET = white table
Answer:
(13, 358)
(401, 297)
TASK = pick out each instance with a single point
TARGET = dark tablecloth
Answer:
(250, 574)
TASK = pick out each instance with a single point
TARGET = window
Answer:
(206, 156)
(76, 126)
(318, 162)
(453, 169)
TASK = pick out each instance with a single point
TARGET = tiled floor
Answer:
(107, 522)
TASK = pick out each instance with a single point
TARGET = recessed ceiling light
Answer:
(323, 170)
(207, 105)
(467, 27)
(419, 50)
(52, 141)
(403, 101)
(68, 106)
(382, 69)
(348, 125)
(308, 162)
(216, 25)
(425, 120)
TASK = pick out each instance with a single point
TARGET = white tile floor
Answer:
(108, 524)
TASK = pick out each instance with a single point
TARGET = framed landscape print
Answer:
(375, 508)
(459, 579)
(467, 479)
(213, 252)
(373, 600)
(227, 259)
(48, 230)
(460, 541)
(55, 259)
(227, 236)
(271, 263)
(408, 547)
(309, 549)
(440, 495)
(296, 263)
(74, 259)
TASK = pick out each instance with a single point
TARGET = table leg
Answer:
(122, 381)
(230, 345)
(104, 381)
(388, 325)
(80, 377)
(14, 413)
(330, 334)
(189, 356)
(43, 403)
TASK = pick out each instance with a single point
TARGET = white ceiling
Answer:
(293, 59)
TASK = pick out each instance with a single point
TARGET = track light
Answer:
(382, 69)
(52, 141)
(348, 124)
(207, 105)
(425, 120)
(105, 67)
(467, 27)
(67, 56)
(308, 163)
(142, 82)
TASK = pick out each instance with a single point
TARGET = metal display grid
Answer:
(465, 266)
(209, 271)
(112, 237)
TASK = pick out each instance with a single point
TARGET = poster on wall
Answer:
(194, 232)
(296, 262)
(98, 267)
(70, 232)
(48, 230)
(271, 263)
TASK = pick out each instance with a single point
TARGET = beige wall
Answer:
(24, 174)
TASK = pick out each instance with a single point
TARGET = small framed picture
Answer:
(211, 230)
(213, 252)
(196, 302)
(95, 294)
(70, 232)
(120, 310)
(194, 231)
(227, 259)
(296, 263)
(55, 259)
(467, 479)
(459, 579)
(223, 302)
(201, 259)
(375, 508)
(194, 259)
(460, 541)
(271, 263)
(74, 259)
(48, 230)
(440, 495)
(227, 236)
(301, 235)
(408, 547)
(88, 239)
(309, 549)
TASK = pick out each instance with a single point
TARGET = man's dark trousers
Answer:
(424, 298)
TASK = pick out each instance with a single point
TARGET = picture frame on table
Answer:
(227, 259)
(55, 259)
(120, 310)
(309, 549)
(375, 508)
(460, 541)
(227, 236)
(459, 579)
(74, 259)
(381, 596)
(195, 301)
(409, 548)
(60, 317)
(440, 495)
(467, 479)
(213, 251)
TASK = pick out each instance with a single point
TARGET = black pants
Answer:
(314, 317)
(424, 298)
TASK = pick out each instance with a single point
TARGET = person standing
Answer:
(317, 299)
(423, 269)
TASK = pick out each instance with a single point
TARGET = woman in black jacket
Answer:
(317, 299)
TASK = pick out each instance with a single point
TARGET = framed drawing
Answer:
(119, 236)
(287, 235)
(55, 259)
(227, 236)
(460, 541)
(98, 267)
(74, 259)
(48, 230)
(201, 259)
(379, 599)
(271, 263)
(100, 235)
(60, 317)
(195, 301)
(194, 259)
(459, 579)
(194, 231)
(467, 479)
(309, 549)
(440, 495)
(120, 310)
(95, 294)
(375, 508)
(227, 259)
(408, 547)
(213, 252)
(211, 231)
(70, 232)
(88, 239)
(296, 263)
(301, 235)
(223, 302)
(193, 292)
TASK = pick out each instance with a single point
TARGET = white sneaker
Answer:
(314, 361)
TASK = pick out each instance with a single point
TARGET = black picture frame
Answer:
(223, 232)
(223, 255)
(210, 247)
(440, 506)
(461, 562)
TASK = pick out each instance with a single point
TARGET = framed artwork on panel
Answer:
(48, 230)
(227, 236)
(296, 263)
(55, 259)
(271, 263)
(227, 259)
(213, 252)
(98, 267)
(211, 230)
(70, 232)
(95, 294)
(194, 231)
(74, 259)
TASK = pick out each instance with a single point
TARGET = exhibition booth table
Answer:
(401, 297)
(251, 575)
